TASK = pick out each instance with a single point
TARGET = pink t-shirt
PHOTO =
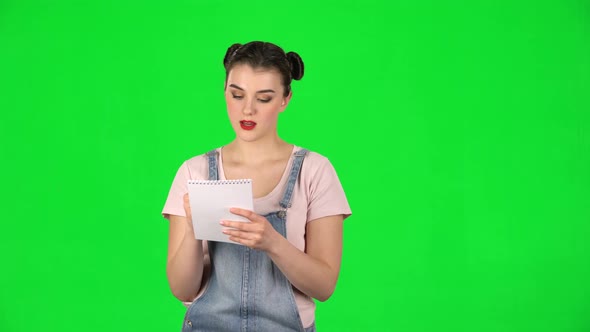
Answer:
(317, 194)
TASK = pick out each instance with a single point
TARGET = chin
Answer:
(248, 138)
(244, 135)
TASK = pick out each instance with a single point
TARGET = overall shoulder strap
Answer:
(212, 158)
(293, 175)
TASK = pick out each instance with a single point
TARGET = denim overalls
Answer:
(246, 290)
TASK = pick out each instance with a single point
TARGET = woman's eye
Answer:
(264, 100)
(237, 97)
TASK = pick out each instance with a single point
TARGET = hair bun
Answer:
(230, 53)
(296, 65)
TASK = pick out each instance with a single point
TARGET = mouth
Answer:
(247, 125)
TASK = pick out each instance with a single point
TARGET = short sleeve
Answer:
(174, 202)
(326, 195)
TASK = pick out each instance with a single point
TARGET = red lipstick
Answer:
(247, 125)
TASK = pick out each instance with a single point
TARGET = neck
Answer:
(256, 152)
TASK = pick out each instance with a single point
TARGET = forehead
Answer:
(250, 78)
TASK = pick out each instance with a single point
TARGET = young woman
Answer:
(290, 251)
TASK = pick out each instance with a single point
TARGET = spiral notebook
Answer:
(210, 201)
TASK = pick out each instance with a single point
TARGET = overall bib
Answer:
(246, 290)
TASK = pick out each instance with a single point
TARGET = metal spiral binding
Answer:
(219, 182)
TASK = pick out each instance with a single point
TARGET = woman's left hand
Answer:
(256, 234)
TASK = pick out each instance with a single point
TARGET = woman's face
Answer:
(254, 100)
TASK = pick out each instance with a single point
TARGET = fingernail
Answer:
(222, 222)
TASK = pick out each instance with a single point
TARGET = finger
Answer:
(240, 225)
(242, 237)
(246, 213)
(241, 241)
(186, 202)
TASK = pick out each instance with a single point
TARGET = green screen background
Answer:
(460, 132)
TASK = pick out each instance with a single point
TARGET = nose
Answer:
(249, 108)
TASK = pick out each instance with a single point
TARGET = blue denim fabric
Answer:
(246, 290)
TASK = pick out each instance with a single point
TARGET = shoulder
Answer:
(196, 160)
(314, 160)
(198, 166)
(320, 182)
(315, 166)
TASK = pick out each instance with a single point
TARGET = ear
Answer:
(286, 101)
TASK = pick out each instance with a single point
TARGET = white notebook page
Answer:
(210, 201)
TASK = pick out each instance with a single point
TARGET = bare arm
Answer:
(315, 271)
(184, 266)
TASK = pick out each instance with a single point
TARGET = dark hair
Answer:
(265, 55)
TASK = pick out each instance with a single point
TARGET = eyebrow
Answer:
(259, 91)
